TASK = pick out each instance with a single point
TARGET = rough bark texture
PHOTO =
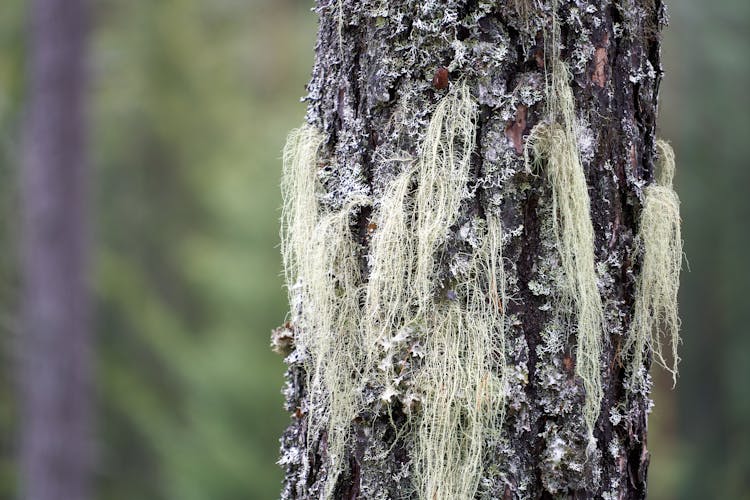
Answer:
(376, 80)
(54, 347)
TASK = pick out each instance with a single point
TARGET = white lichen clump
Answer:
(655, 318)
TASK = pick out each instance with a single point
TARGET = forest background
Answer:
(190, 103)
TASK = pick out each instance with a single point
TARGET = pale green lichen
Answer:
(300, 210)
(335, 345)
(460, 383)
(324, 282)
(442, 177)
(463, 378)
(387, 296)
(655, 317)
(555, 144)
(348, 331)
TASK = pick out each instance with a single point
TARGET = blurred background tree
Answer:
(54, 355)
(191, 102)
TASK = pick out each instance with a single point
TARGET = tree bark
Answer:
(381, 67)
(55, 361)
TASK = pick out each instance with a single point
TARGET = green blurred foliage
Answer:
(190, 104)
(11, 91)
(704, 438)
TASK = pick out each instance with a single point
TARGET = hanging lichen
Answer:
(388, 300)
(300, 209)
(555, 144)
(345, 329)
(459, 385)
(463, 378)
(334, 342)
(655, 317)
(442, 177)
(325, 287)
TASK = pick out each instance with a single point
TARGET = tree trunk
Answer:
(55, 359)
(381, 69)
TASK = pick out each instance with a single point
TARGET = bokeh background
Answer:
(190, 103)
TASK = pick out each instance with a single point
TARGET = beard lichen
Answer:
(655, 317)
(459, 384)
(323, 277)
(442, 177)
(462, 379)
(554, 143)
(300, 210)
(387, 294)
(335, 345)
(345, 325)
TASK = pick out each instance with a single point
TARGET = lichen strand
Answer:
(388, 295)
(442, 183)
(456, 333)
(660, 243)
(462, 378)
(299, 192)
(333, 336)
(324, 283)
(555, 147)
(373, 102)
